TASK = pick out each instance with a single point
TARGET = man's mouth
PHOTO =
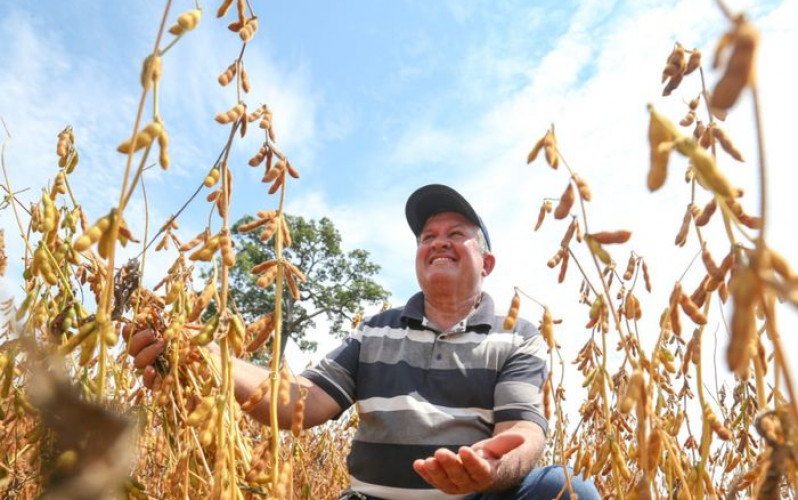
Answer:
(441, 260)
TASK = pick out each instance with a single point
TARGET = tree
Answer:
(337, 284)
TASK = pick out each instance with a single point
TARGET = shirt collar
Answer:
(479, 318)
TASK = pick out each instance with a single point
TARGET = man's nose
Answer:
(441, 242)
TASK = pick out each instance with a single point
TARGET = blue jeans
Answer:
(544, 483)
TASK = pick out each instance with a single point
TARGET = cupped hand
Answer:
(471, 469)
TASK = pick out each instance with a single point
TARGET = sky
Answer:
(373, 99)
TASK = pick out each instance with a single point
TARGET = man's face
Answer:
(448, 259)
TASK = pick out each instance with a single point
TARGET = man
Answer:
(450, 404)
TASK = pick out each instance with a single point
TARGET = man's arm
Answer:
(494, 464)
(319, 406)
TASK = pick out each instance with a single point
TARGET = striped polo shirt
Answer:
(418, 389)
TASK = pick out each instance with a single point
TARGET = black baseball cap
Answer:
(433, 199)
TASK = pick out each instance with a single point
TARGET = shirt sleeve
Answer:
(518, 394)
(336, 373)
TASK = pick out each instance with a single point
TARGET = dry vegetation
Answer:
(76, 423)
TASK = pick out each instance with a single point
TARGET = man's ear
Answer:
(488, 263)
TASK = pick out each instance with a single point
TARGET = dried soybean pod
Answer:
(703, 217)
(541, 215)
(143, 139)
(547, 398)
(248, 31)
(299, 413)
(688, 119)
(151, 71)
(630, 267)
(231, 115)
(708, 173)
(213, 177)
(740, 69)
(569, 233)
(245, 85)
(93, 235)
(292, 171)
(681, 236)
(633, 392)
(163, 144)
(566, 202)
(189, 20)
(295, 271)
(563, 267)
(227, 75)
(675, 64)
(533, 154)
(202, 301)
(249, 226)
(673, 309)
(271, 227)
(709, 263)
(547, 328)
(610, 237)
(284, 387)
(277, 183)
(223, 8)
(727, 144)
(199, 238)
(552, 263)
(693, 62)
(584, 189)
(512, 314)
(660, 133)
(646, 277)
(275, 171)
(263, 329)
(692, 310)
(292, 286)
(263, 266)
(286, 232)
(745, 289)
(550, 148)
(267, 278)
(598, 250)
(228, 254)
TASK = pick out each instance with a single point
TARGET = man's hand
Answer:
(145, 348)
(472, 468)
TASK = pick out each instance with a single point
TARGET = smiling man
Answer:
(450, 403)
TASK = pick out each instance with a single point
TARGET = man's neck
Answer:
(447, 312)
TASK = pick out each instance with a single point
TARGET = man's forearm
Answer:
(319, 407)
(514, 466)
(247, 378)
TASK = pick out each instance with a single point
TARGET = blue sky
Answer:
(373, 99)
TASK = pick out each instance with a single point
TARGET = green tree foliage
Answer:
(337, 287)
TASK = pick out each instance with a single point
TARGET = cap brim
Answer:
(432, 199)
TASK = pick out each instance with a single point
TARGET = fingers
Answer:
(430, 470)
(452, 467)
(464, 472)
(146, 356)
(145, 348)
(140, 340)
(149, 376)
(479, 469)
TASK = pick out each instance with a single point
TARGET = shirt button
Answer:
(439, 357)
